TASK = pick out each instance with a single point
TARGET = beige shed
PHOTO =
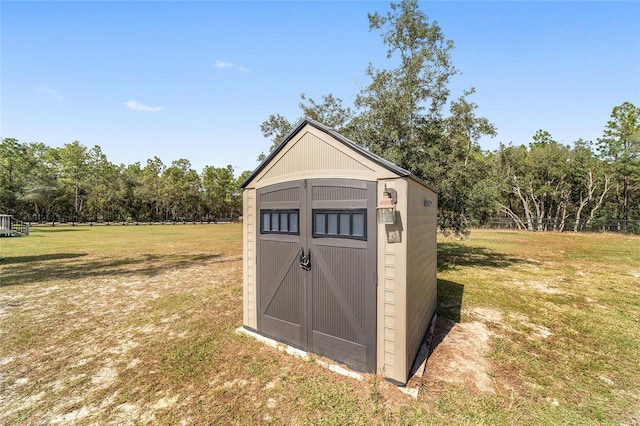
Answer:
(339, 252)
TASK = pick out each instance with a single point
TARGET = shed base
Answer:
(420, 362)
(282, 347)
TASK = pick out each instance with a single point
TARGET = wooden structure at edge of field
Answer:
(11, 227)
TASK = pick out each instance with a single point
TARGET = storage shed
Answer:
(339, 252)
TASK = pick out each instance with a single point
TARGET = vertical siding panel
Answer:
(395, 293)
(249, 252)
(389, 308)
(421, 266)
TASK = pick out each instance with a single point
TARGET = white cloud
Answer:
(221, 65)
(49, 92)
(136, 106)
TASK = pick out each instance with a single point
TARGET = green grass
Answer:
(585, 290)
(135, 324)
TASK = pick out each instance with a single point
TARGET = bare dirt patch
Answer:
(460, 356)
(485, 314)
(532, 330)
(543, 287)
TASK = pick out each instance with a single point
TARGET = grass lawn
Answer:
(135, 324)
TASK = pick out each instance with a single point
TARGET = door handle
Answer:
(305, 261)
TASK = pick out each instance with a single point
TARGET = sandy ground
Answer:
(87, 329)
(460, 355)
(79, 335)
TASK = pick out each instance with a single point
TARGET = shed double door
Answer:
(316, 267)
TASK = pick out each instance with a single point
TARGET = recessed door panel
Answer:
(343, 281)
(281, 289)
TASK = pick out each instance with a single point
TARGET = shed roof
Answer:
(337, 136)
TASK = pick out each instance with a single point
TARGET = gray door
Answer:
(281, 290)
(316, 267)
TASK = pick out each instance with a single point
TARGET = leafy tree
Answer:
(620, 146)
(465, 129)
(237, 194)
(27, 185)
(400, 114)
(13, 169)
(592, 183)
(41, 190)
(275, 127)
(400, 101)
(219, 188)
(102, 185)
(542, 138)
(73, 169)
(182, 188)
(546, 184)
(130, 194)
(152, 189)
(330, 113)
(456, 166)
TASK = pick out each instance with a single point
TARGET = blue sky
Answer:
(194, 80)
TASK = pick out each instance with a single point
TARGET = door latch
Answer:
(305, 261)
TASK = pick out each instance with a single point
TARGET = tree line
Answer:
(546, 185)
(406, 116)
(75, 183)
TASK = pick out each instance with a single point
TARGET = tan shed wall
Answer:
(421, 266)
(249, 229)
(315, 154)
(392, 275)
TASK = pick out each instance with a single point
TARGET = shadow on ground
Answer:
(60, 229)
(448, 314)
(450, 299)
(39, 258)
(449, 308)
(69, 266)
(453, 255)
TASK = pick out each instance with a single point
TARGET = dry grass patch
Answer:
(136, 325)
(563, 313)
